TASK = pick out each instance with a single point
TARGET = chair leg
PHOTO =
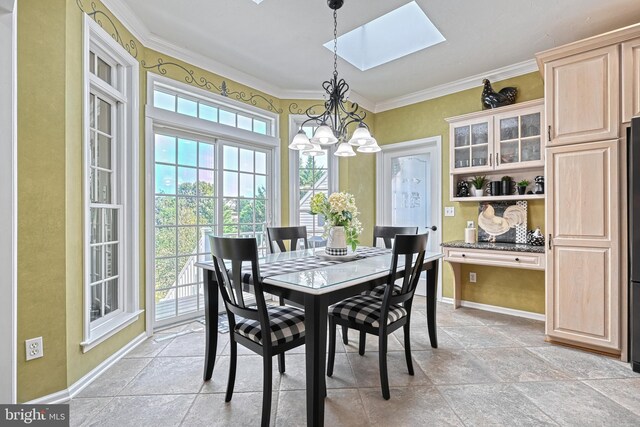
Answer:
(345, 335)
(407, 348)
(281, 367)
(363, 340)
(233, 358)
(266, 391)
(382, 356)
(332, 346)
(281, 300)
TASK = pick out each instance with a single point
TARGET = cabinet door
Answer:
(471, 145)
(630, 80)
(582, 97)
(582, 276)
(518, 138)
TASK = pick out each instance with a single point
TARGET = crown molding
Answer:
(149, 40)
(129, 19)
(498, 74)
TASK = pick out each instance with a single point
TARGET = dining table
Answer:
(315, 281)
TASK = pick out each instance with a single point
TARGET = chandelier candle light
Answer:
(337, 115)
(342, 226)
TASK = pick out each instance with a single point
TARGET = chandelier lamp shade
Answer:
(338, 116)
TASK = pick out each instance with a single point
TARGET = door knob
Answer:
(433, 228)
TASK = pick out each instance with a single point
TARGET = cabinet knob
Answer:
(517, 259)
(463, 255)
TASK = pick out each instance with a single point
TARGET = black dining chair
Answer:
(387, 234)
(280, 235)
(247, 325)
(372, 315)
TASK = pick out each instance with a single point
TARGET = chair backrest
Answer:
(234, 252)
(407, 246)
(387, 233)
(280, 234)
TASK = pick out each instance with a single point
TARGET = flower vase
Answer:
(337, 241)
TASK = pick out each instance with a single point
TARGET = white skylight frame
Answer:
(399, 33)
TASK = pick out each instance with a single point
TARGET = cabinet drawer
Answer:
(496, 258)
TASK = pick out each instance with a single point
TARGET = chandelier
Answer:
(337, 115)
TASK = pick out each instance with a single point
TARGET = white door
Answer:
(409, 189)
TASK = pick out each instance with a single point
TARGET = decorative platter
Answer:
(350, 256)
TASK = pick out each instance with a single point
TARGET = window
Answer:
(310, 175)
(110, 174)
(185, 211)
(208, 177)
(167, 98)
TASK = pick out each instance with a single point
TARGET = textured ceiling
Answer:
(281, 41)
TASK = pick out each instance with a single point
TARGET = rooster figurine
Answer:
(492, 99)
(494, 225)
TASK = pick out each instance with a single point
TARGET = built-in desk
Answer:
(507, 255)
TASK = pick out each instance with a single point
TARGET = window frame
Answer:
(333, 166)
(123, 95)
(161, 120)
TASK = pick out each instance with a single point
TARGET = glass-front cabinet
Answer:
(472, 145)
(518, 140)
(506, 138)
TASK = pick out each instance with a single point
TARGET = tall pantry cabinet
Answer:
(592, 87)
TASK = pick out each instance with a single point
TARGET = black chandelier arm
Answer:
(353, 112)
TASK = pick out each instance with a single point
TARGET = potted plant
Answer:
(478, 183)
(507, 185)
(522, 186)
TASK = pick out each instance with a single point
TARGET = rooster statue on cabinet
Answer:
(495, 225)
(492, 99)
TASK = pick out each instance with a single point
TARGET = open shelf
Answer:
(499, 198)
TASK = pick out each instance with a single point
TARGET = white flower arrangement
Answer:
(339, 210)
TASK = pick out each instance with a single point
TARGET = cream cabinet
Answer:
(582, 95)
(583, 280)
(504, 138)
(630, 79)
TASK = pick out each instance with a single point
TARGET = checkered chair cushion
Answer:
(365, 309)
(378, 291)
(287, 324)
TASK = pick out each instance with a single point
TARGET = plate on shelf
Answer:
(350, 256)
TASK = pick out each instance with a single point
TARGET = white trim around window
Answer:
(8, 195)
(295, 121)
(119, 94)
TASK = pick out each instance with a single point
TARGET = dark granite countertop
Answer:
(510, 247)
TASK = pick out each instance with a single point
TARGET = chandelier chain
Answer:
(335, 42)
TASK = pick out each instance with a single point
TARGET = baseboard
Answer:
(75, 388)
(496, 309)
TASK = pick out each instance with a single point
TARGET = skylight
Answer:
(258, 1)
(399, 33)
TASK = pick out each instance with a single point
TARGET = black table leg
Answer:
(432, 285)
(211, 323)
(315, 324)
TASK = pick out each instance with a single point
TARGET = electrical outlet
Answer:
(472, 277)
(449, 211)
(34, 348)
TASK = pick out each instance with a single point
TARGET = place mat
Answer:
(309, 263)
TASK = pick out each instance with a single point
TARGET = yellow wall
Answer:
(518, 289)
(50, 212)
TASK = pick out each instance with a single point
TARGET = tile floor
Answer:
(489, 369)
